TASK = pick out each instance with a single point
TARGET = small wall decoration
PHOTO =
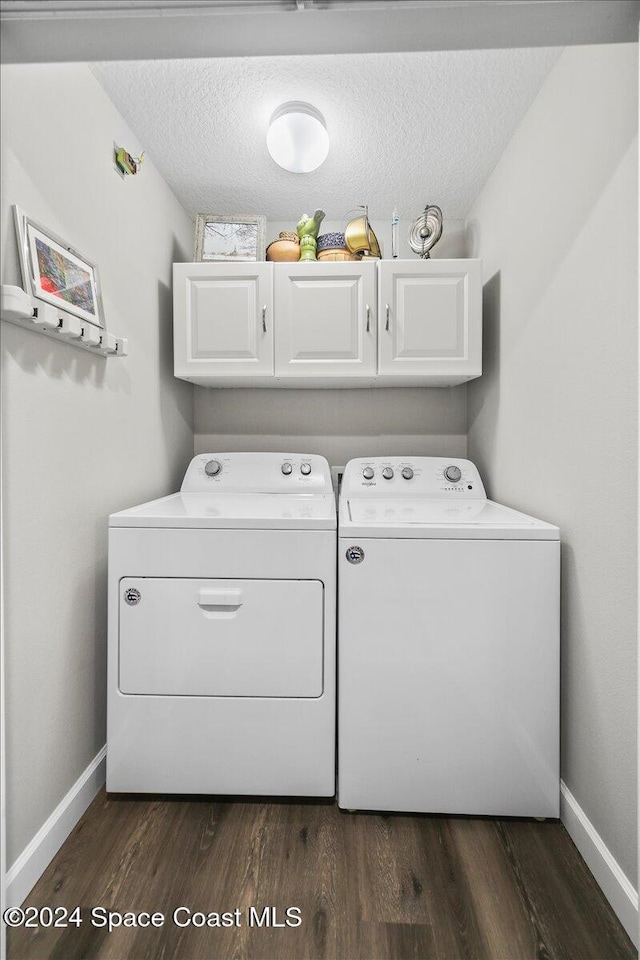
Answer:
(229, 238)
(56, 273)
(125, 163)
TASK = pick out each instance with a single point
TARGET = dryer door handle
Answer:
(209, 597)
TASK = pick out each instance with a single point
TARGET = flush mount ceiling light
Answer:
(297, 138)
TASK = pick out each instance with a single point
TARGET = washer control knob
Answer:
(305, 469)
(407, 473)
(453, 473)
(387, 473)
(286, 469)
(367, 473)
(212, 468)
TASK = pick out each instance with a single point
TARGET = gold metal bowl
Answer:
(360, 238)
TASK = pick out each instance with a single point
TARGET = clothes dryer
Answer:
(221, 647)
(448, 638)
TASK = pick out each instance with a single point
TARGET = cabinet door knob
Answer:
(387, 312)
(264, 318)
(368, 309)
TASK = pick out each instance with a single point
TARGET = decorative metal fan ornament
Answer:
(426, 231)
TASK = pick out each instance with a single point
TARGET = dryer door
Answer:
(221, 638)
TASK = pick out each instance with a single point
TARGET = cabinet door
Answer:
(223, 320)
(326, 320)
(430, 319)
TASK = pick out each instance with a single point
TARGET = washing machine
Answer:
(221, 641)
(448, 639)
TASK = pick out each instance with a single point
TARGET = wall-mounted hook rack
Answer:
(40, 317)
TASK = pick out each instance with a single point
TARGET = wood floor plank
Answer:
(225, 871)
(506, 931)
(561, 892)
(172, 861)
(445, 886)
(298, 870)
(407, 941)
(390, 887)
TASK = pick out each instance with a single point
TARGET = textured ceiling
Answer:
(405, 128)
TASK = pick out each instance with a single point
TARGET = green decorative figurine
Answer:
(307, 230)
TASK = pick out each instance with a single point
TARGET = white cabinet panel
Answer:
(430, 318)
(233, 332)
(223, 320)
(326, 324)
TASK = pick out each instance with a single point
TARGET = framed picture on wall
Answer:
(223, 238)
(56, 273)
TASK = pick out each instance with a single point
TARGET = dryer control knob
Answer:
(286, 469)
(407, 473)
(305, 469)
(453, 473)
(387, 473)
(367, 473)
(212, 468)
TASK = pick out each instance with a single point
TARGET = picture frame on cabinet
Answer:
(55, 272)
(222, 238)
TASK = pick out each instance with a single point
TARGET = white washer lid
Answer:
(239, 512)
(465, 520)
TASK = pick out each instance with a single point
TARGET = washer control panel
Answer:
(257, 473)
(417, 477)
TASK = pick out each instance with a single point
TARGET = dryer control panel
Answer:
(429, 478)
(269, 473)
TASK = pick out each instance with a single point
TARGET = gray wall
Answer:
(339, 424)
(83, 436)
(552, 423)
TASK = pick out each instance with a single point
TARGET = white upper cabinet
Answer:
(223, 321)
(326, 320)
(430, 320)
(370, 323)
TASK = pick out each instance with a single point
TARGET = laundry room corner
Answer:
(83, 435)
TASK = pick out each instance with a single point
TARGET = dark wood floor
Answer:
(367, 886)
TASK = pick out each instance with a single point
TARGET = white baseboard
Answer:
(37, 856)
(609, 875)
